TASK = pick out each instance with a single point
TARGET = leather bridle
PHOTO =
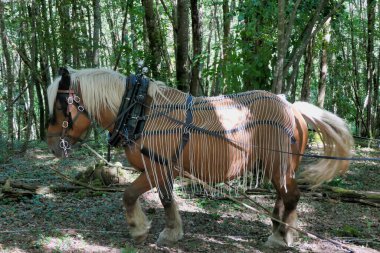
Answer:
(72, 101)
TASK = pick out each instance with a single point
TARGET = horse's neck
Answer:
(106, 119)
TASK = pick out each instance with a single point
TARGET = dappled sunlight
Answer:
(232, 116)
(239, 242)
(68, 243)
(50, 196)
(4, 249)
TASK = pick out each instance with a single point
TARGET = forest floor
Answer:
(86, 221)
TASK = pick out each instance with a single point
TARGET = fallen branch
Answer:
(370, 198)
(76, 182)
(13, 188)
(38, 189)
(107, 162)
(338, 192)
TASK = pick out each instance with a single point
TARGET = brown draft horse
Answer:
(214, 139)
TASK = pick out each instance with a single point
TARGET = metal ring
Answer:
(76, 99)
(64, 144)
(186, 130)
(70, 100)
(65, 124)
(80, 108)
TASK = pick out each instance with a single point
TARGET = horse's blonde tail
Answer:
(337, 142)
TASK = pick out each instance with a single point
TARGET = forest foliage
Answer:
(325, 52)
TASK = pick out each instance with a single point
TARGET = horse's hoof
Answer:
(276, 241)
(169, 237)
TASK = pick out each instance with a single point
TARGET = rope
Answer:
(211, 133)
(355, 136)
(266, 211)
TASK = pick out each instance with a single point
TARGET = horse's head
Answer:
(69, 120)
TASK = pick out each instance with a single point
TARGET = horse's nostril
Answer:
(52, 150)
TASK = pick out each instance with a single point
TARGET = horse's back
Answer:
(228, 135)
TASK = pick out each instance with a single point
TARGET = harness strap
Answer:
(157, 158)
(130, 119)
(184, 140)
(185, 129)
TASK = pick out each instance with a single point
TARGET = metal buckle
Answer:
(80, 108)
(65, 124)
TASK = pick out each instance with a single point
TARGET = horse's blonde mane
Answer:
(100, 89)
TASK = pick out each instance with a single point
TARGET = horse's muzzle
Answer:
(58, 147)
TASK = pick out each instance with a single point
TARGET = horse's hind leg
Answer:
(136, 219)
(285, 210)
(173, 230)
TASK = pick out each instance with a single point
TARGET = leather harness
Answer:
(131, 118)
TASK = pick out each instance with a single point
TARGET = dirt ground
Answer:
(85, 221)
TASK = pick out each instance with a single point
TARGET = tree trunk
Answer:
(356, 80)
(281, 49)
(154, 58)
(225, 42)
(65, 30)
(376, 106)
(53, 42)
(34, 79)
(182, 45)
(75, 34)
(47, 43)
(9, 78)
(370, 65)
(284, 29)
(305, 91)
(197, 48)
(96, 36)
(208, 85)
(123, 36)
(292, 86)
(323, 68)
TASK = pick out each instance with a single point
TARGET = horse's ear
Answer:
(63, 71)
(65, 83)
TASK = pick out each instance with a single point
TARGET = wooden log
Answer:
(372, 196)
(16, 188)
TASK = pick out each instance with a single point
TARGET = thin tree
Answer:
(305, 91)
(285, 24)
(96, 36)
(197, 47)
(225, 42)
(323, 66)
(8, 76)
(152, 30)
(182, 45)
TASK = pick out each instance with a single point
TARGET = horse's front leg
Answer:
(173, 230)
(138, 223)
